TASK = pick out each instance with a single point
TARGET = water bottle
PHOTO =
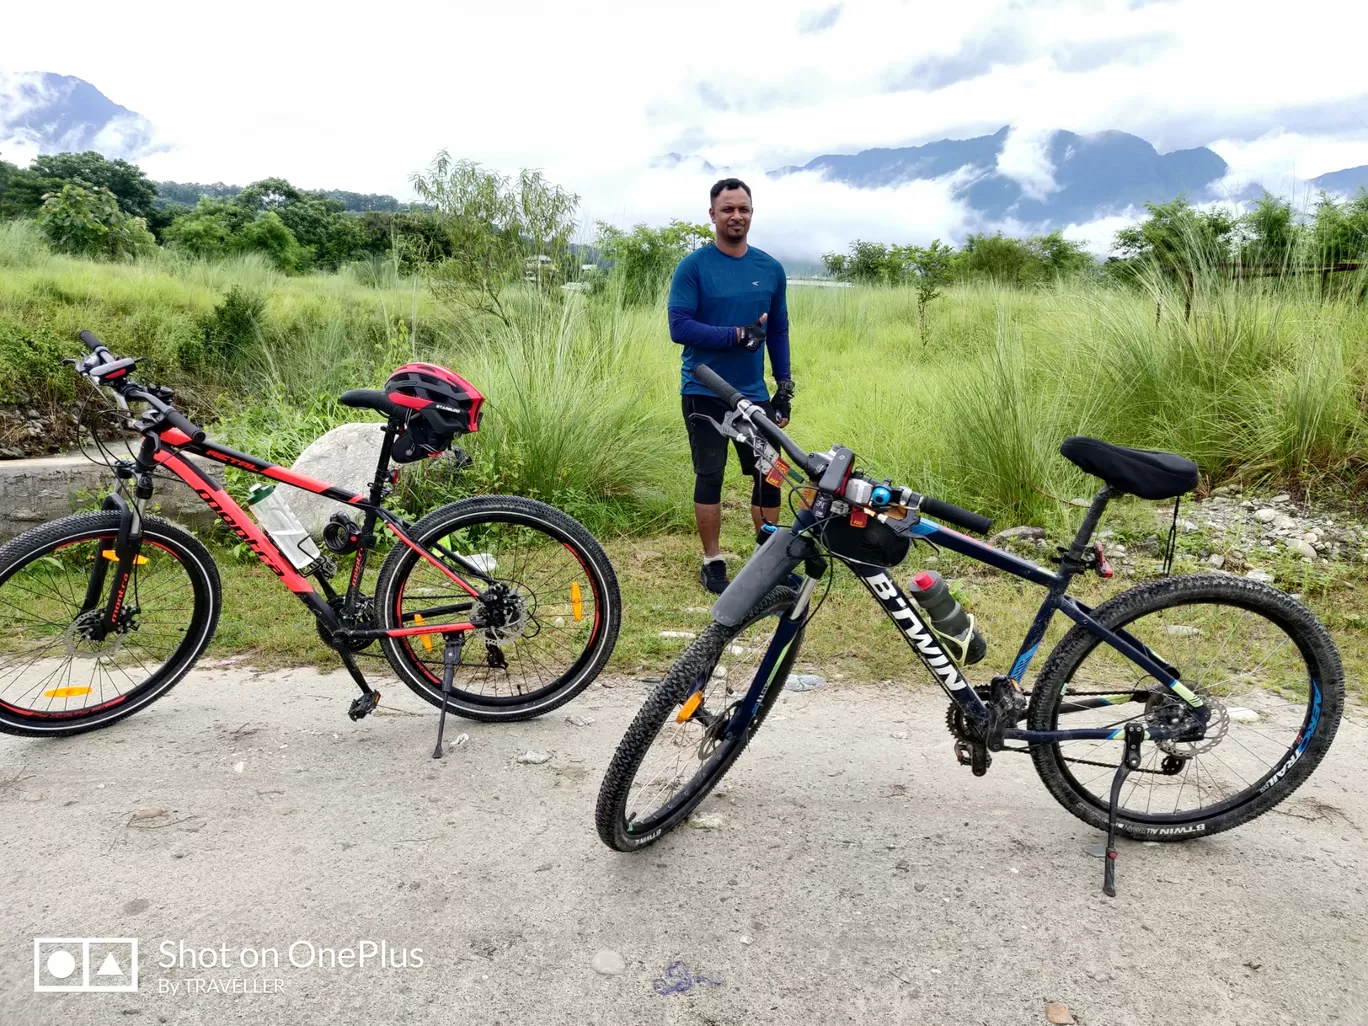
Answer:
(274, 514)
(947, 618)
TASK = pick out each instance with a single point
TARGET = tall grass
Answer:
(1260, 380)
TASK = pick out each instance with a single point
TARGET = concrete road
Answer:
(859, 875)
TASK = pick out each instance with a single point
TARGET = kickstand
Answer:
(1135, 734)
(451, 655)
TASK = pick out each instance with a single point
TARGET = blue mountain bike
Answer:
(1179, 708)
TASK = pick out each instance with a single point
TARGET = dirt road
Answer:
(858, 875)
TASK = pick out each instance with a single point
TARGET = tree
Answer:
(209, 231)
(1061, 257)
(645, 258)
(1339, 231)
(1178, 236)
(495, 225)
(1269, 233)
(928, 268)
(89, 223)
(134, 191)
(837, 265)
(1001, 259)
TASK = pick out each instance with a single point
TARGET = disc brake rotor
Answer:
(1216, 728)
(78, 643)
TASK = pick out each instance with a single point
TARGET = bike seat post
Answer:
(1079, 545)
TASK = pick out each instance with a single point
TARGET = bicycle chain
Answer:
(954, 722)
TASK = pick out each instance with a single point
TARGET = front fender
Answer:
(770, 566)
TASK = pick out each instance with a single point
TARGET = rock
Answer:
(719, 672)
(899, 735)
(1280, 497)
(532, 757)
(1241, 715)
(679, 635)
(1028, 533)
(1217, 560)
(579, 721)
(706, 821)
(1304, 549)
(607, 962)
(1188, 526)
(745, 940)
(238, 767)
(804, 682)
(1311, 536)
(1265, 515)
(151, 812)
(1262, 576)
(919, 886)
(460, 740)
(1282, 522)
(345, 457)
(1058, 1014)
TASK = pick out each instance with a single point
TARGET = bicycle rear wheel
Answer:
(673, 754)
(56, 676)
(552, 604)
(1263, 663)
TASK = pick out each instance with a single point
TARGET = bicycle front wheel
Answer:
(1263, 663)
(676, 750)
(58, 675)
(543, 586)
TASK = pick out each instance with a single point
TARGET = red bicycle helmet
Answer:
(444, 405)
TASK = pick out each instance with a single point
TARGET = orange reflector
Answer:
(689, 707)
(66, 692)
(109, 555)
(426, 639)
(858, 518)
(576, 600)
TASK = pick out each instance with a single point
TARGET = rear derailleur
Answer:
(1006, 708)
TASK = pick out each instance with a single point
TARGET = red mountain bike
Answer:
(495, 607)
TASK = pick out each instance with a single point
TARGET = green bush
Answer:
(89, 223)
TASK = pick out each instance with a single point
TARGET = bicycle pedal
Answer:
(976, 757)
(364, 705)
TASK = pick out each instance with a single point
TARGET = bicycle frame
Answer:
(167, 447)
(907, 617)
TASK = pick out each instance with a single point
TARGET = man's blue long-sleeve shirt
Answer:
(712, 294)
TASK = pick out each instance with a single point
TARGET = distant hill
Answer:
(1347, 182)
(60, 113)
(1088, 176)
(187, 194)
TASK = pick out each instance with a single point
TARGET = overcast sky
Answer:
(357, 96)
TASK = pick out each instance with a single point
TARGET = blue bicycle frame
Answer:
(907, 617)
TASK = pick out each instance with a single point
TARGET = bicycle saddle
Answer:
(1142, 472)
(370, 399)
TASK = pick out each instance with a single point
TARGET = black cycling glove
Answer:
(752, 337)
(783, 399)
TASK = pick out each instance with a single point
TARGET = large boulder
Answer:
(345, 457)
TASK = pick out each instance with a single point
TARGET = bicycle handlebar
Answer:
(132, 390)
(960, 517)
(805, 460)
(814, 466)
(91, 342)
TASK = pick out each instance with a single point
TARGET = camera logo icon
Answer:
(85, 964)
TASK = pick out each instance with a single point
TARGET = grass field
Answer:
(1266, 384)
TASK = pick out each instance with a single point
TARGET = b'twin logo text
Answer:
(921, 637)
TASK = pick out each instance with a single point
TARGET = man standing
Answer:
(727, 306)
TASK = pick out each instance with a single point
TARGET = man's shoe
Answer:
(713, 576)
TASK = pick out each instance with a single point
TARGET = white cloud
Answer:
(1025, 158)
(358, 98)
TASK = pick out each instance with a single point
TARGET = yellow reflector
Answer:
(109, 555)
(576, 600)
(426, 639)
(689, 707)
(66, 692)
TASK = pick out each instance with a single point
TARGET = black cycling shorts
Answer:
(709, 452)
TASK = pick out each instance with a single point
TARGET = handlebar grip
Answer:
(178, 420)
(959, 517)
(709, 377)
(91, 342)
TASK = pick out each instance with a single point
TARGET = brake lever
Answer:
(727, 428)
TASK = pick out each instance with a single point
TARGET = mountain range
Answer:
(1044, 180)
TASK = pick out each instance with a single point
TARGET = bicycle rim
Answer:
(544, 634)
(1265, 702)
(690, 751)
(52, 667)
